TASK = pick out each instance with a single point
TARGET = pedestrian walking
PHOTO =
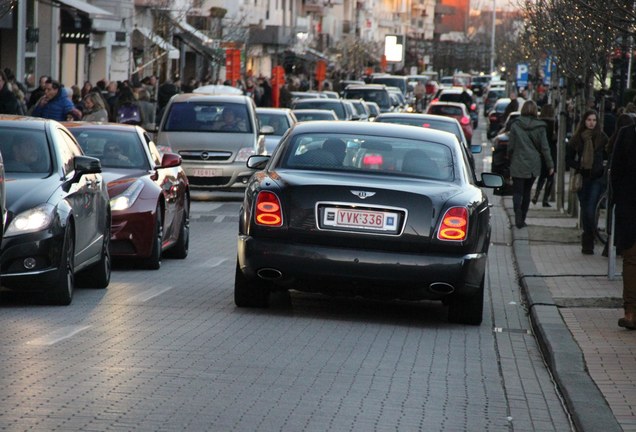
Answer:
(623, 186)
(546, 179)
(527, 144)
(55, 104)
(586, 155)
(8, 100)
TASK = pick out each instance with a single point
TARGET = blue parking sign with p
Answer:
(522, 74)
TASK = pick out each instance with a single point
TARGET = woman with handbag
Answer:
(527, 144)
(586, 155)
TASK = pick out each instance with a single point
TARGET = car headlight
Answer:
(32, 220)
(127, 198)
(244, 153)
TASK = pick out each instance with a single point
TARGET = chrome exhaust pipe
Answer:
(269, 274)
(441, 288)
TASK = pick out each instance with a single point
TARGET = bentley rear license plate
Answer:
(361, 219)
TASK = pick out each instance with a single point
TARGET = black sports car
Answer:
(369, 209)
(58, 218)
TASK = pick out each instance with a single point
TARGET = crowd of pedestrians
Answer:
(603, 156)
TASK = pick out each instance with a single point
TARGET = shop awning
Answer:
(173, 53)
(199, 41)
(316, 53)
(87, 8)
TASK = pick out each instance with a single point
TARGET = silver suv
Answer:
(214, 134)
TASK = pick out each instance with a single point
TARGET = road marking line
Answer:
(144, 296)
(215, 262)
(57, 335)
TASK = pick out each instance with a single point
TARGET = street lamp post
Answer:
(492, 36)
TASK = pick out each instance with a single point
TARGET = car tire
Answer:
(61, 292)
(182, 246)
(153, 262)
(467, 309)
(98, 275)
(250, 293)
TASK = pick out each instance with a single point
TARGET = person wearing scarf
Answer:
(586, 155)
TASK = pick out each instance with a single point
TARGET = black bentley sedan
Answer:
(369, 209)
(58, 216)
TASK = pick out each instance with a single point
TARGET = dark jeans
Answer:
(589, 195)
(521, 190)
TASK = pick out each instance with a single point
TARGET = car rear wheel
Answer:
(153, 262)
(467, 309)
(61, 293)
(98, 275)
(250, 293)
(181, 247)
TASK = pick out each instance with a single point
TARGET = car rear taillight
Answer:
(454, 226)
(465, 120)
(435, 100)
(268, 210)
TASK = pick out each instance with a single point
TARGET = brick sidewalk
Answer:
(588, 303)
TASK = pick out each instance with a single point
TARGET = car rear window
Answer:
(385, 155)
(445, 126)
(381, 97)
(208, 117)
(445, 110)
(325, 104)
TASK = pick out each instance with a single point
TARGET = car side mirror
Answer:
(170, 160)
(491, 180)
(257, 162)
(86, 165)
(475, 148)
(266, 130)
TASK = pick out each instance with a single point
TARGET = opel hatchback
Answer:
(214, 135)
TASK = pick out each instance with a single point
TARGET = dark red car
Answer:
(149, 191)
(456, 110)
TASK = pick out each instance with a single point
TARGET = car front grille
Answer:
(205, 156)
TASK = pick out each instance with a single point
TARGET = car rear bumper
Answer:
(398, 275)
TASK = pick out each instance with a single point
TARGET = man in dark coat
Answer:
(623, 183)
(38, 92)
(8, 101)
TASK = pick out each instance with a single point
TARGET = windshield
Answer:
(207, 117)
(115, 149)
(386, 155)
(25, 151)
